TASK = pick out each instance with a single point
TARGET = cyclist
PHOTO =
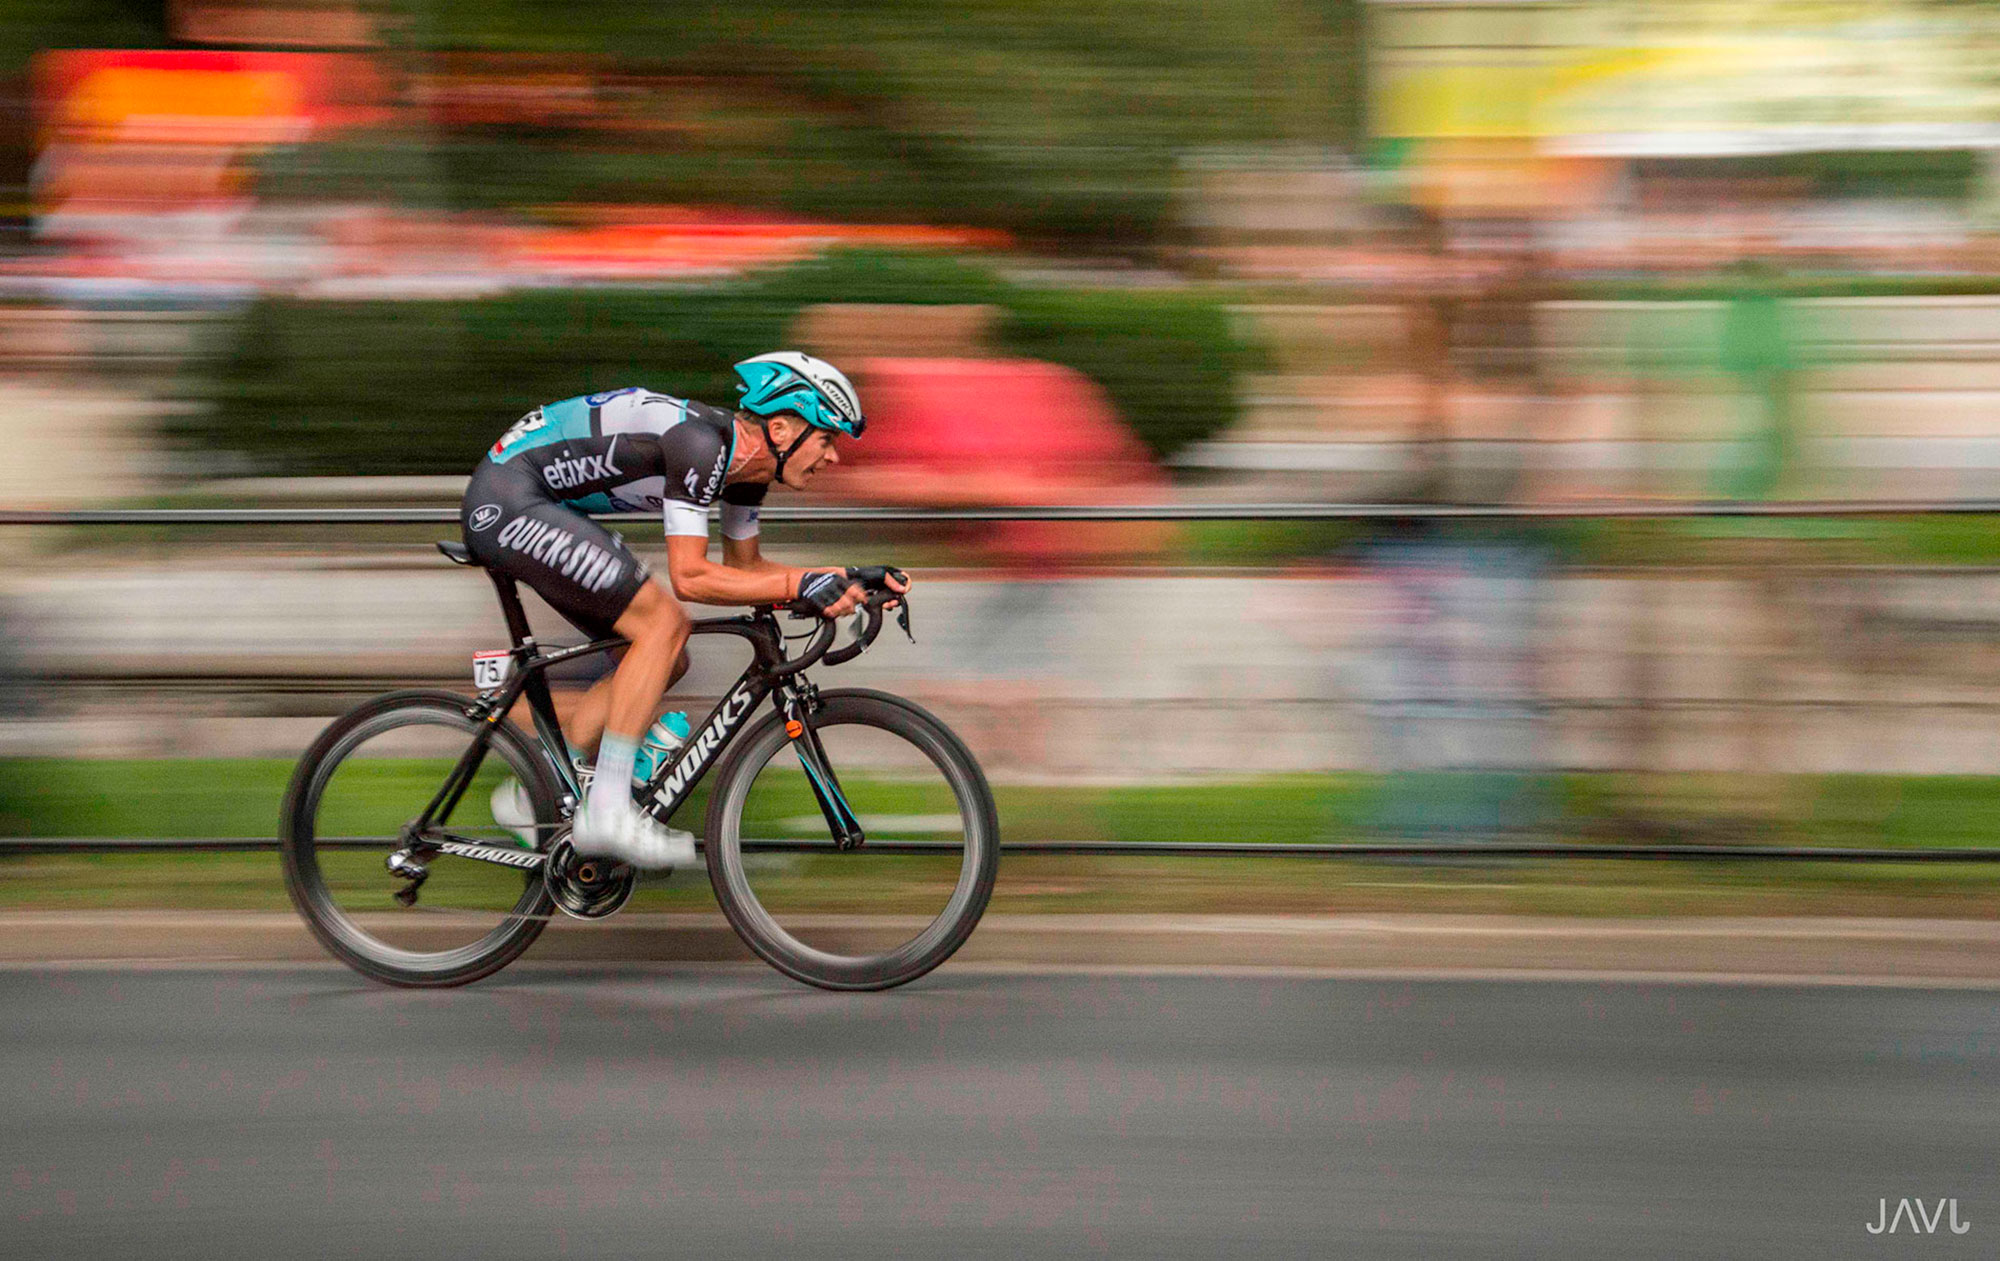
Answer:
(636, 450)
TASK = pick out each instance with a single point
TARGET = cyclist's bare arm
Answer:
(744, 554)
(699, 580)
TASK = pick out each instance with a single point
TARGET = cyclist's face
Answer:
(814, 454)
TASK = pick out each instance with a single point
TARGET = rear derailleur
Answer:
(408, 864)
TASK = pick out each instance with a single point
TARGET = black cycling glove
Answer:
(876, 577)
(821, 589)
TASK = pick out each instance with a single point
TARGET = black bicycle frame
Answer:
(673, 783)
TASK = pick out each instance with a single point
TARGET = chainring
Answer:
(586, 888)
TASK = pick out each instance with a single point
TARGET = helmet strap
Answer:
(781, 456)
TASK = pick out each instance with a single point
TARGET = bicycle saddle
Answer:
(457, 553)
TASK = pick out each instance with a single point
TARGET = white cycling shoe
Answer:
(513, 810)
(630, 837)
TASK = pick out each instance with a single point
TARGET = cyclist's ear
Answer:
(785, 427)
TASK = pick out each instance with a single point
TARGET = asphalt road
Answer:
(723, 1112)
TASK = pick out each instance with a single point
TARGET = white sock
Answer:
(612, 789)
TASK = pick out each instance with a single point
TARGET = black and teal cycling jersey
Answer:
(633, 450)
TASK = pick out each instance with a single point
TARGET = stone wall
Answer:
(1442, 660)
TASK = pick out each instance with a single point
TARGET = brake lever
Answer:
(903, 618)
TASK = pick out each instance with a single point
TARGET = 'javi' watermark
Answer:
(1921, 1218)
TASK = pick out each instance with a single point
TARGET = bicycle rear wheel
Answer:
(877, 916)
(368, 776)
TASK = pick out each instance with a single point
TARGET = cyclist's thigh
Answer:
(583, 570)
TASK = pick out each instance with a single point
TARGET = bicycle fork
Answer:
(798, 707)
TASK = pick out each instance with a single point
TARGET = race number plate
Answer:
(489, 669)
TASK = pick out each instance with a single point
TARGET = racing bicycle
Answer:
(850, 837)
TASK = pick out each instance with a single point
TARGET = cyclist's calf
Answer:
(658, 627)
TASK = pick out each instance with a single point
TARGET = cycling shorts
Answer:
(584, 571)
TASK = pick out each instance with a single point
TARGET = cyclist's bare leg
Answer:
(607, 822)
(658, 627)
(567, 701)
(585, 722)
(582, 713)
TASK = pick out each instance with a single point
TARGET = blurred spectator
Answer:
(1452, 681)
(991, 432)
(1758, 351)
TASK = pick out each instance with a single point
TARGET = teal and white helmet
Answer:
(813, 389)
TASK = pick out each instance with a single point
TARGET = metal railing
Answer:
(844, 514)
(861, 513)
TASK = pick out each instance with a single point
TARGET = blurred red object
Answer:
(994, 432)
(188, 97)
(126, 135)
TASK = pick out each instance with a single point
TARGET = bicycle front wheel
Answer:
(373, 773)
(882, 914)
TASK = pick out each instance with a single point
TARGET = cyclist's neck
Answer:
(751, 460)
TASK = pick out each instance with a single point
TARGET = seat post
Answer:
(510, 606)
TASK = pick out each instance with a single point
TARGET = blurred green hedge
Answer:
(422, 386)
(1060, 120)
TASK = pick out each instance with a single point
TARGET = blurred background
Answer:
(1540, 253)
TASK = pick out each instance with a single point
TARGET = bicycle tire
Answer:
(760, 931)
(304, 880)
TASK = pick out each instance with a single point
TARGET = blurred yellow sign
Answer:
(1626, 78)
(1455, 71)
